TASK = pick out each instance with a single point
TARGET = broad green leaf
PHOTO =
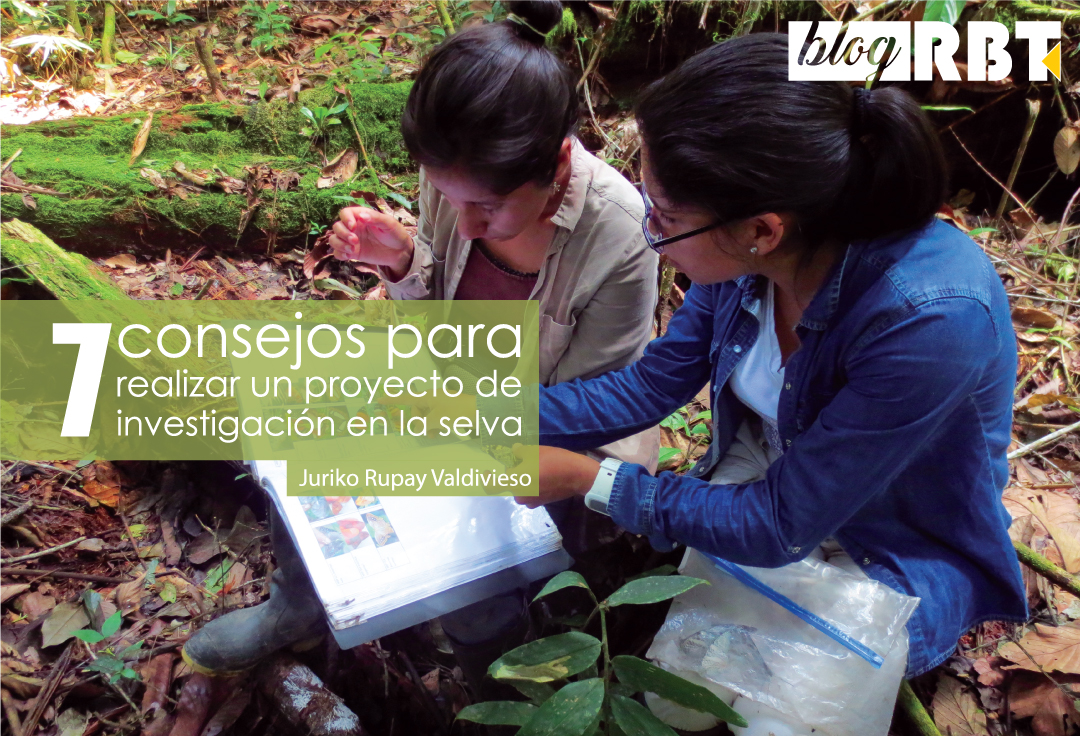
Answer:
(107, 664)
(168, 592)
(131, 651)
(637, 720)
(563, 580)
(177, 289)
(126, 57)
(92, 601)
(943, 10)
(498, 713)
(653, 589)
(642, 676)
(62, 623)
(981, 230)
(112, 624)
(402, 200)
(704, 416)
(667, 454)
(216, 579)
(675, 421)
(335, 285)
(570, 712)
(129, 673)
(89, 636)
(549, 659)
(537, 692)
(702, 428)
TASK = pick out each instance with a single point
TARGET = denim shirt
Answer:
(895, 418)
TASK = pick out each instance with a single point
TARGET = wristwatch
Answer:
(598, 496)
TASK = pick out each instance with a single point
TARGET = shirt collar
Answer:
(581, 175)
(822, 306)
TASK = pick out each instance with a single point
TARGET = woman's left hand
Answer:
(560, 473)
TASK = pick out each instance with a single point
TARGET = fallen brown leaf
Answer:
(8, 591)
(956, 710)
(157, 674)
(1053, 712)
(129, 595)
(101, 481)
(1051, 648)
(1067, 149)
(124, 260)
(33, 605)
(194, 706)
(340, 170)
(141, 138)
(988, 674)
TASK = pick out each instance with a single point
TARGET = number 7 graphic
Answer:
(93, 341)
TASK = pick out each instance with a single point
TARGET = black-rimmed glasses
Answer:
(654, 236)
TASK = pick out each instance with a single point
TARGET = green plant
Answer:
(37, 17)
(321, 119)
(696, 430)
(108, 662)
(579, 707)
(270, 26)
(171, 16)
(168, 57)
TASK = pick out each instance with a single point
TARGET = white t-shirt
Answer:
(759, 377)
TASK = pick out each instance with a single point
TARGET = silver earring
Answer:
(556, 187)
(754, 250)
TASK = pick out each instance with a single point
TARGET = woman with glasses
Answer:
(859, 353)
(511, 207)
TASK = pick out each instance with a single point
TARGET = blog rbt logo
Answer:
(899, 51)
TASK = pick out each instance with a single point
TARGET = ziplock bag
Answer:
(814, 642)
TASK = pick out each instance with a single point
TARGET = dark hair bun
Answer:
(542, 15)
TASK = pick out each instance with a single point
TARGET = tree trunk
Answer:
(444, 17)
(73, 17)
(206, 56)
(108, 34)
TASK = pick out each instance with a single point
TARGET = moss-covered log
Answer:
(87, 159)
(65, 275)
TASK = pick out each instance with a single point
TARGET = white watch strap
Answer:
(598, 496)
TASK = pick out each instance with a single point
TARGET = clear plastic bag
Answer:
(741, 642)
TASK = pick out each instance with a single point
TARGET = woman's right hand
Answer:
(364, 234)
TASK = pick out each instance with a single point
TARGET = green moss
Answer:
(274, 127)
(87, 159)
(567, 28)
(66, 275)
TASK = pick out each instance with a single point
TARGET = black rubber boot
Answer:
(483, 632)
(242, 638)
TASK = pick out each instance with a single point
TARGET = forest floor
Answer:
(169, 546)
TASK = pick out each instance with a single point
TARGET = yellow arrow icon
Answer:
(1052, 61)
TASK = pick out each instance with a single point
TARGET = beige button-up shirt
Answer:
(597, 286)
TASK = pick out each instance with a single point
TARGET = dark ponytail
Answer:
(728, 132)
(495, 101)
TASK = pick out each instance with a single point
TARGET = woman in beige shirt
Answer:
(511, 207)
